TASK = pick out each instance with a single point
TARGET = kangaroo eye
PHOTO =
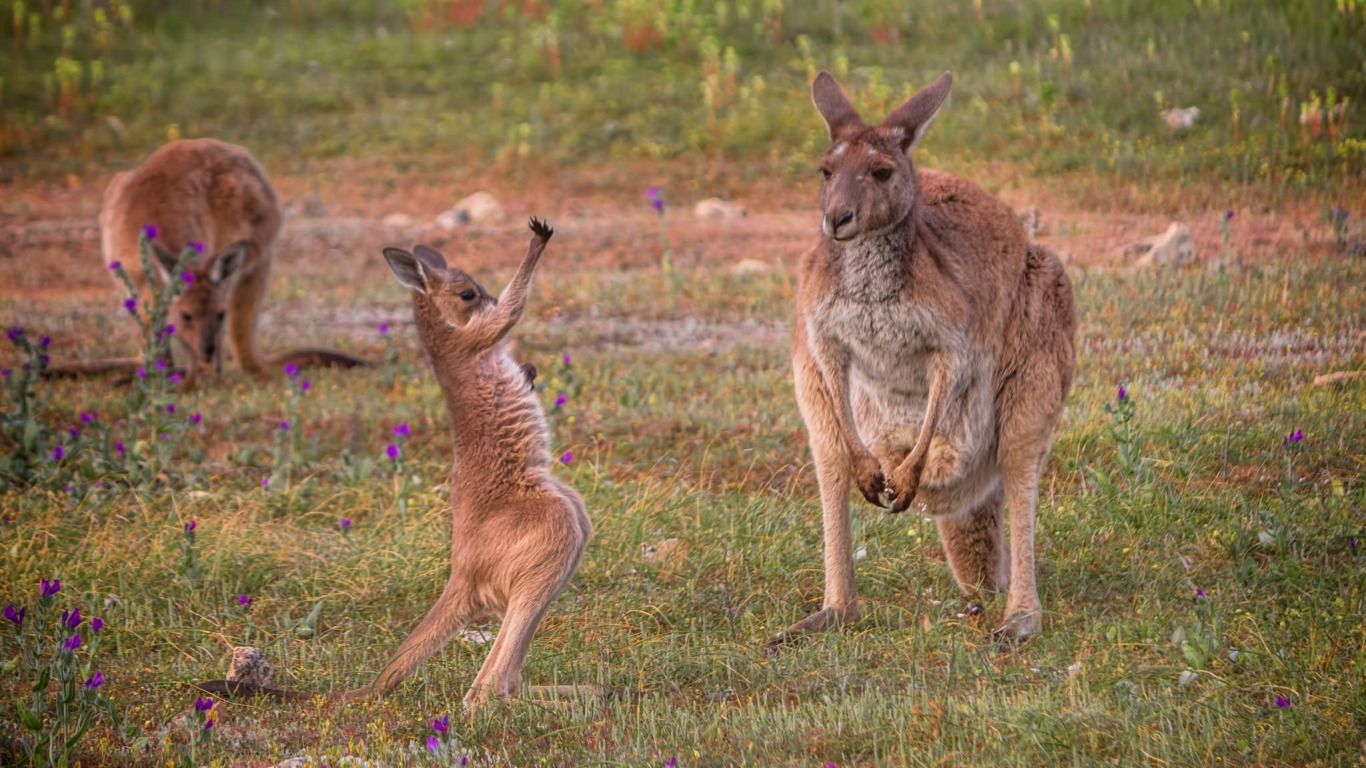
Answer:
(882, 174)
(825, 172)
(186, 317)
(220, 316)
(467, 295)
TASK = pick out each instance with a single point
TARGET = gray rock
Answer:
(250, 666)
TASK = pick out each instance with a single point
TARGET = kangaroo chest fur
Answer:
(889, 335)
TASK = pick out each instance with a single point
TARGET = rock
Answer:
(751, 267)
(250, 666)
(716, 208)
(1032, 222)
(1180, 119)
(308, 207)
(452, 219)
(478, 208)
(397, 221)
(1173, 248)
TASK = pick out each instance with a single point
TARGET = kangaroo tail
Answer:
(325, 358)
(86, 367)
(233, 689)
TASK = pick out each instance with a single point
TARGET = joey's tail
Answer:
(323, 358)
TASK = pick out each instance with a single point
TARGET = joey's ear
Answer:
(165, 260)
(407, 269)
(919, 111)
(429, 256)
(835, 108)
(226, 263)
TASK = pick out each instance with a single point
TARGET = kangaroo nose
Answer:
(843, 219)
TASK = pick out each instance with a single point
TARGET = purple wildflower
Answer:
(1122, 394)
(16, 616)
(567, 457)
(118, 446)
(165, 436)
(149, 231)
(72, 618)
(74, 432)
(170, 407)
(442, 724)
(115, 266)
(187, 278)
(1199, 592)
(561, 400)
(4, 374)
(384, 329)
(433, 744)
(90, 418)
(244, 600)
(72, 643)
(566, 358)
(95, 681)
(130, 304)
(170, 329)
(14, 333)
(50, 588)
(175, 377)
(1228, 215)
(44, 341)
(391, 451)
(284, 425)
(265, 483)
(190, 526)
(96, 624)
(142, 373)
(1293, 437)
(1351, 541)
(291, 370)
(58, 453)
(345, 523)
(305, 385)
(203, 705)
(161, 364)
(208, 724)
(196, 418)
(671, 763)
(196, 246)
(1282, 702)
(403, 430)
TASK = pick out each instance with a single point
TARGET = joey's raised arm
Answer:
(489, 328)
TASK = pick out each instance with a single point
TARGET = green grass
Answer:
(707, 447)
(1048, 86)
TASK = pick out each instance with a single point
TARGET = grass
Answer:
(706, 447)
(1053, 87)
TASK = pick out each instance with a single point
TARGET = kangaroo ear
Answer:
(165, 261)
(913, 117)
(226, 263)
(407, 269)
(835, 108)
(429, 256)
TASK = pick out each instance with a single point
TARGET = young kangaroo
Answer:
(215, 195)
(517, 532)
(932, 352)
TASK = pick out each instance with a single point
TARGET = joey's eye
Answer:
(186, 317)
(220, 316)
(825, 173)
(467, 296)
(882, 174)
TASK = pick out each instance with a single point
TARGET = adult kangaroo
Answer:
(932, 352)
(213, 197)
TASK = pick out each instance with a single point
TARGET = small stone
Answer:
(1173, 248)
(750, 267)
(397, 221)
(478, 208)
(1180, 119)
(716, 208)
(250, 666)
(455, 218)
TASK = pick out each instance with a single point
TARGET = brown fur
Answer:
(207, 191)
(932, 353)
(517, 531)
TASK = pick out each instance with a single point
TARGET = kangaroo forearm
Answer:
(834, 363)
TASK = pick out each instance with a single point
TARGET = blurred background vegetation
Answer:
(1050, 85)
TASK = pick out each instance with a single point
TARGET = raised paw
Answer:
(541, 229)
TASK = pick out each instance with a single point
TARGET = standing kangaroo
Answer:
(932, 352)
(517, 532)
(213, 194)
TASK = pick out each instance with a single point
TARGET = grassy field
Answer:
(1203, 572)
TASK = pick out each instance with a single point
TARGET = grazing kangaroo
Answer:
(518, 532)
(213, 194)
(932, 352)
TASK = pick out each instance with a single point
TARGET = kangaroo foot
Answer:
(823, 620)
(1019, 626)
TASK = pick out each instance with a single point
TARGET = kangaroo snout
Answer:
(838, 225)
